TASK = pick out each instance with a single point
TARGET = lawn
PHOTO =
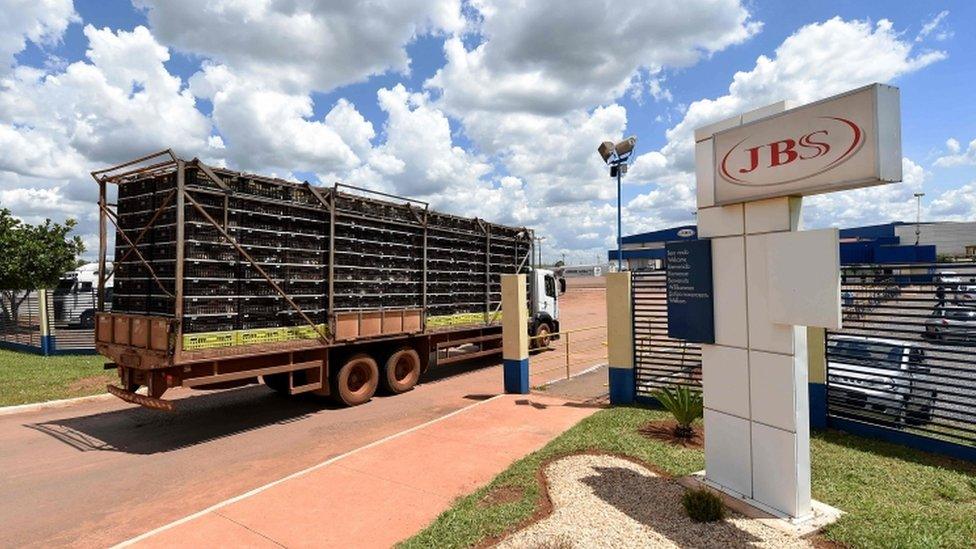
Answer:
(893, 496)
(26, 377)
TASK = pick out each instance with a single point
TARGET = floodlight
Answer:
(626, 146)
(605, 149)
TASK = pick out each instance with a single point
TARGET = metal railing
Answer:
(659, 361)
(569, 351)
(905, 359)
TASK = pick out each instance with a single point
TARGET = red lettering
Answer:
(819, 147)
(753, 160)
(778, 149)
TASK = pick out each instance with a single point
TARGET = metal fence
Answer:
(564, 354)
(64, 324)
(659, 361)
(905, 360)
(20, 320)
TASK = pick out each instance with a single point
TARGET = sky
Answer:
(487, 108)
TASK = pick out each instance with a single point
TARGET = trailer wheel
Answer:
(356, 382)
(402, 371)
(278, 382)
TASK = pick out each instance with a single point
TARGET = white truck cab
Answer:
(544, 291)
(75, 296)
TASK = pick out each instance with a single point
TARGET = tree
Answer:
(33, 257)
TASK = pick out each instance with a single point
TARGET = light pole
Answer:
(539, 239)
(616, 156)
(918, 215)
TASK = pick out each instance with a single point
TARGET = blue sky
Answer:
(509, 135)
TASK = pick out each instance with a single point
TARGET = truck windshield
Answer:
(866, 353)
(65, 285)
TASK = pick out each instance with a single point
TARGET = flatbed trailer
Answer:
(223, 277)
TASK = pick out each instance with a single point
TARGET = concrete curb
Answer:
(63, 403)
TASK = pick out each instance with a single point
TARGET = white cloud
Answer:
(818, 60)
(268, 129)
(418, 157)
(301, 46)
(551, 57)
(42, 22)
(955, 204)
(870, 205)
(957, 156)
(119, 106)
(935, 25)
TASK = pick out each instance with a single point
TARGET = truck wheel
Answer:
(541, 340)
(278, 382)
(87, 320)
(402, 371)
(356, 382)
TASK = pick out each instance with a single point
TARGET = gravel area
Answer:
(606, 501)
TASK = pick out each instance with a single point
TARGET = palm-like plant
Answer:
(684, 404)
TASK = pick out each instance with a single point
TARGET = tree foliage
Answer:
(35, 256)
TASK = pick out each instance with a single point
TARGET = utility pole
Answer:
(918, 216)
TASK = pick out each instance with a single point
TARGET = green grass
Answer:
(613, 431)
(893, 496)
(26, 378)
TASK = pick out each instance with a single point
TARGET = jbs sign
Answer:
(847, 141)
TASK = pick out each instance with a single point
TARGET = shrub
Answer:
(684, 404)
(703, 506)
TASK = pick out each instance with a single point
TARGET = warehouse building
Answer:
(886, 243)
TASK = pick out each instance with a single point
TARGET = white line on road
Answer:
(294, 475)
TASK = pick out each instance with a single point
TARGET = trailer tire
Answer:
(278, 382)
(402, 371)
(356, 381)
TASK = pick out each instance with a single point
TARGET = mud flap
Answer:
(141, 400)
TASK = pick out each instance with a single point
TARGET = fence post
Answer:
(47, 337)
(620, 338)
(817, 376)
(567, 354)
(515, 334)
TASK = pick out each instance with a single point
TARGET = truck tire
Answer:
(356, 382)
(542, 339)
(402, 371)
(278, 382)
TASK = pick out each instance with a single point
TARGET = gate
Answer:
(904, 365)
(659, 361)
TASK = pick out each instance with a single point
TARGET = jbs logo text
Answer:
(792, 158)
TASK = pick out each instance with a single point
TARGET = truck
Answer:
(75, 296)
(224, 278)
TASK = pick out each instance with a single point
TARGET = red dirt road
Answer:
(99, 473)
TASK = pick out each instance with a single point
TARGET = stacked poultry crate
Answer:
(385, 256)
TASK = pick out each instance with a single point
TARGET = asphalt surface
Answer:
(98, 473)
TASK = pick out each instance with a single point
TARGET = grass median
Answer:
(893, 496)
(27, 378)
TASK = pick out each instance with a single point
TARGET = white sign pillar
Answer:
(772, 280)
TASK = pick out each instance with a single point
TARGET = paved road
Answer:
(98, 473)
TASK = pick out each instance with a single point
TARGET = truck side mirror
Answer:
(562, 286)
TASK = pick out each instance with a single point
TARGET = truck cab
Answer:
(544, 291)
(75, 297)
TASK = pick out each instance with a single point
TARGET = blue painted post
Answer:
(620, 338)
(515, 334)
